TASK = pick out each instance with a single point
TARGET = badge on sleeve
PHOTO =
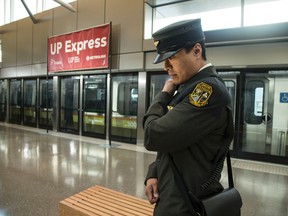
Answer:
(201, 94)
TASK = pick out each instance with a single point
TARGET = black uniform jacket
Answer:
(192, 131)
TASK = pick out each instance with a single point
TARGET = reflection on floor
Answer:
(38, 169)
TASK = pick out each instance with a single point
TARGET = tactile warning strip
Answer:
(260, 167)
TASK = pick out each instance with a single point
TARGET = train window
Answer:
(29, 102)
(29, 93)
(127, 98)
(134, 94)
(253, 107)
(46, 103)
(46, 97)
(156, 84)
(2, 92)
(94, 105)
(69, 100)
(230, 85)
(95, 95)
(124, 107)
(2, 100)
(258, 103)
(69, 88)
(15, 93)
(15, 102)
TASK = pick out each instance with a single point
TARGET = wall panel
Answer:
(127, 24)
(249, 55)
(41, 31)
(90, 13)
(39, 69)
(132, 61)
(254, 55)
(64, 20)
(9, 44)
(9, 72)
(24, 71)
(24, 42)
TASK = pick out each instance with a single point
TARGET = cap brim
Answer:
(163, 56)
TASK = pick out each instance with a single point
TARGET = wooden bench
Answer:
(103, 201)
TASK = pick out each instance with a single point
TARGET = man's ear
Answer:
(197, 49)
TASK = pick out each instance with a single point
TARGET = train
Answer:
(105, 105)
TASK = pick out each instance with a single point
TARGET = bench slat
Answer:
(122, 200)
(115, 194)
(100, 201)
(69, 209)
(95, 207)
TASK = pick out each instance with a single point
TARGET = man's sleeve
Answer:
(152, 171)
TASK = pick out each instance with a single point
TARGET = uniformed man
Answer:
(188, 120)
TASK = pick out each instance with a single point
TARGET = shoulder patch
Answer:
(200, 95)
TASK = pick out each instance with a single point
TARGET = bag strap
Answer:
(223, 153)
(229, 169)
(183, 188)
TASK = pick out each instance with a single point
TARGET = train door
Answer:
(257, 121)
(15, 103)
(94, 106)
(265, 119)
(29, 102)
(45, 104)
(155, 84)
(124, 108)
(3, 100)
(230, 80)
(69, 104)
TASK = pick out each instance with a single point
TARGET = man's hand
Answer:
(152, 190)
(169, 87)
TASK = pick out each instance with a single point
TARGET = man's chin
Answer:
(175, 80)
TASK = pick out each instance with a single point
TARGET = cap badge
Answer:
(156, 43)
(200, 95)
(169, 108)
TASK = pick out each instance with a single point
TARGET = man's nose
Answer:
(167, 65)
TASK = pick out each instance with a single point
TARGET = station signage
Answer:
(283, 97)
(85, 49)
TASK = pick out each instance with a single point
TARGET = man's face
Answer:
(182, 66)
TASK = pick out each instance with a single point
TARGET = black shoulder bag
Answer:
(225, 203)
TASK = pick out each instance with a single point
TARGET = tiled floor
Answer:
(38, 169)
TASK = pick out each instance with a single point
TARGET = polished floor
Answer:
(39, 169)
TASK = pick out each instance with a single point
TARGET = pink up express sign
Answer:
(85, 49)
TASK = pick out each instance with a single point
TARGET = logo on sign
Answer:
(73, 59)
(53, 62)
